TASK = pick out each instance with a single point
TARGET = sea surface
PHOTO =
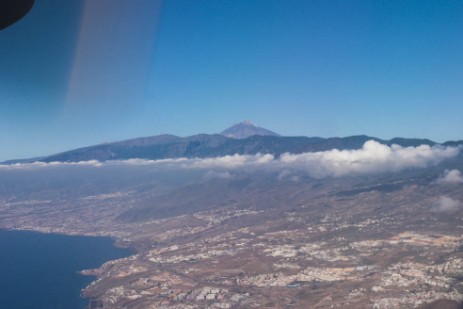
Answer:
(40, 271)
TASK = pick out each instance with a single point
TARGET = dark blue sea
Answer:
(39, 271)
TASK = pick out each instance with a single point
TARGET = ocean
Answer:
(40, 271)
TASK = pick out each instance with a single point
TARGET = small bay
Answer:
(41, 270)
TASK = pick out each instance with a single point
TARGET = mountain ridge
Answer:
(166, 146)
(214, 145)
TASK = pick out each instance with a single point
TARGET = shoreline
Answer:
(91, 273)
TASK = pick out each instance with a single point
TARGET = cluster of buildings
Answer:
(239, 266)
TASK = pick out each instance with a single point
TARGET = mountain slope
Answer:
(213, 145)
(246, 129)
(204, 145)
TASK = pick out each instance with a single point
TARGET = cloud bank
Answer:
(451, 176)
(372, 158)
(38, 164)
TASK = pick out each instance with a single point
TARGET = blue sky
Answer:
(76, 73)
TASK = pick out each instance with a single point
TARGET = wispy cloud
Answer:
(450, 176)
(233, 162)
(214, 174)
(38, 164)
(446, 204)
(372, 158)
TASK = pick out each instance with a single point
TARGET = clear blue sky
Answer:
(76, 73)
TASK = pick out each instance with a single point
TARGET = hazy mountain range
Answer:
(242, 138)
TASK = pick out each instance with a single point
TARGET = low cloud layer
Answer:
(446, 204)
(372, 158)
(38, 164)
(451, 176)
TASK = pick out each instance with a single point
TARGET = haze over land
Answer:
(350, 195)
(356, 227)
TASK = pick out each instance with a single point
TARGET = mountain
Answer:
(246, 129)
(214, 145)
(203, 145)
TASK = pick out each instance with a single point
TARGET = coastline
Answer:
(77, 245)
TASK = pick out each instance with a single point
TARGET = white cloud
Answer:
(446, 204)
(372, 158)
(233, 162)
(450, 176)
(38, 164)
